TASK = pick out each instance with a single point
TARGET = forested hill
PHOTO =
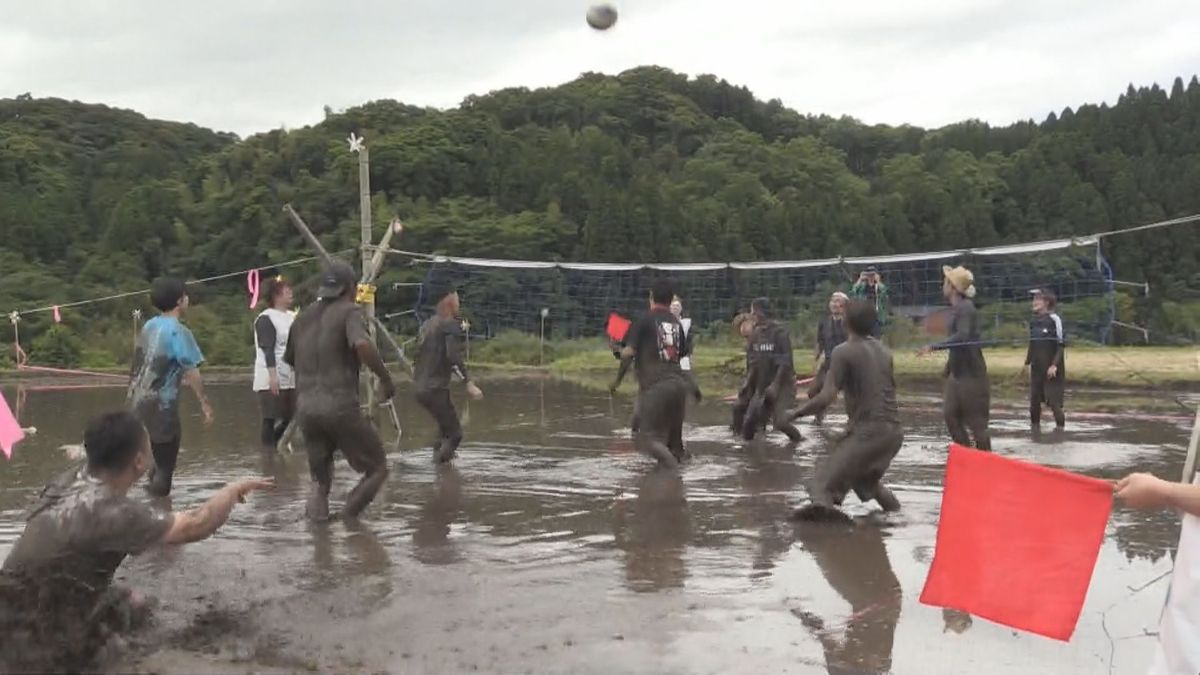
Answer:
(649, 165)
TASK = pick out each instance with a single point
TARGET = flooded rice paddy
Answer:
(550, 546)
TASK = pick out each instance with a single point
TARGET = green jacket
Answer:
(860, 290)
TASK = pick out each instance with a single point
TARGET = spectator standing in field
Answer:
(1045, 360)
(830, 333)
(274, 380)
(870, 287)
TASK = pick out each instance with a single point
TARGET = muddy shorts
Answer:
(437, 402)
(279, 406)
(661, 409)
(857, 463)
(349, 432)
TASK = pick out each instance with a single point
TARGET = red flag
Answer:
(617, 327)
(1016, 542)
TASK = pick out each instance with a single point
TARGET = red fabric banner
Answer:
(1016, 542)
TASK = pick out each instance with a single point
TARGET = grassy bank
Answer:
(590, 361)
(1134, 367)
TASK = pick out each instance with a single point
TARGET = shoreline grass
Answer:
(589, 362)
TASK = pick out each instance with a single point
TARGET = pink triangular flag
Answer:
(10, 431)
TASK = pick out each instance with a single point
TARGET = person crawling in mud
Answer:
(57, 601)
(440, 356)
(327, 346)
(771, 375)
(861, 367)
(655, 344)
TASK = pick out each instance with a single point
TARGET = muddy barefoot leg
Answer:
(320, 468)
(363, 493)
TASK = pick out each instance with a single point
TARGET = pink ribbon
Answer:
(57, 315)
(252, 286)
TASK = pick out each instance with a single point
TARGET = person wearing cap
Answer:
(654, 345)
(327, 346)
(772, 375)
(966, 393)
(166, 355)
(830, 333)
(274, 382)
(1044, 361)
(871, 288)
(440, 355)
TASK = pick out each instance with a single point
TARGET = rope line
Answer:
(127, 294)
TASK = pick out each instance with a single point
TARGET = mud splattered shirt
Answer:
(771, 356)
(658, 340)
(79, 532)
(165, 351)
(322, 348)
(440, 353)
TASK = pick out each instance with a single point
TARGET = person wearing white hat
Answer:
(966, 393)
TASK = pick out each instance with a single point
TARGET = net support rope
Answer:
(21, 358)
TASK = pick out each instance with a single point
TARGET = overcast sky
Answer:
(252, 65)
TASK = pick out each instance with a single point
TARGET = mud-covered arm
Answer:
(201, 522)
(1029, 349)
(829, 392)
(455, 352)
(264, 331)
(359, 339)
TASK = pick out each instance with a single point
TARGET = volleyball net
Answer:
(573, 300)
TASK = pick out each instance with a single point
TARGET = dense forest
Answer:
(646, 166)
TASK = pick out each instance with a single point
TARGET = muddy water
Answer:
(551, 547)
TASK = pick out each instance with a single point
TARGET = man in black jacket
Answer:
(1044, 362)
(440, 355)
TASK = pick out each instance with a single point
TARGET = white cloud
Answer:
(249, 66)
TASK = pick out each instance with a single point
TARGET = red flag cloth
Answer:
(1016, 542)
(617, 326)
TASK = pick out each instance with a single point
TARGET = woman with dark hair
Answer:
(274, 380)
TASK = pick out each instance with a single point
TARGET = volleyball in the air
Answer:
(601, 17)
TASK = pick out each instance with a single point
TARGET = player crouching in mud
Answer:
(58, 605)
(770, 376)
(862, 368)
